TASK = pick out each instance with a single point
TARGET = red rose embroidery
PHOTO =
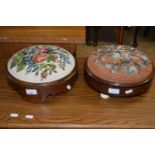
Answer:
(38, 59)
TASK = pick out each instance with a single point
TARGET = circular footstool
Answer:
(42, 70)
(119, 71)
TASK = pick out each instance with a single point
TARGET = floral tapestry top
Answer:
(121, 64)
(41, 63)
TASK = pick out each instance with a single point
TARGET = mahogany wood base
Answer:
(113, 90)
(39, 92)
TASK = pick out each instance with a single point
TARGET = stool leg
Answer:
(95, 35)
(88, 35)
(146, 31)
(135, 44)
(120, 35)
(91, 41)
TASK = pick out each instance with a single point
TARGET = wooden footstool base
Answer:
(39, 92)
(114, 90)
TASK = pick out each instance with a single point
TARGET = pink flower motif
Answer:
(43, 50)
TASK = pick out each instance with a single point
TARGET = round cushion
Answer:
(120, 64)
(41, 64)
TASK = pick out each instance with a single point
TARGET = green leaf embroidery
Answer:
(44, 74)
(41, 66)
(50, 57)
(55, 71)
(20, 66)
(52, 66)
(34, 69)
(62, 65)
(50, 72)
(13, 64)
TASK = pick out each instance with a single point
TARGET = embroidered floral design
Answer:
(121, 57)
(41, 60)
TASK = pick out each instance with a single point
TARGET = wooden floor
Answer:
(82, 107)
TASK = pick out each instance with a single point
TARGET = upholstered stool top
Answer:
(120, 64)
(41, 64)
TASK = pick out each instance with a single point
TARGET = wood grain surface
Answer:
(42, 34)
(82, 107)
